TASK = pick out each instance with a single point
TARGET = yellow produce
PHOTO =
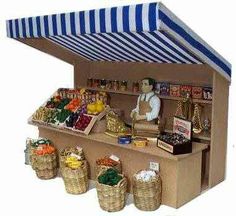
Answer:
(96, 107)
(73, 162)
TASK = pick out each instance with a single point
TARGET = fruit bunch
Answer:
(53, 102)
(83, 122)
(73, 162)
(72, 119)
(95, 108)
(44, 114)
(44, 149)
(110, 177)
(106, 161)
(73, 105)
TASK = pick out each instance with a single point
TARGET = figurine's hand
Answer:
(132, 114)
(140, 117)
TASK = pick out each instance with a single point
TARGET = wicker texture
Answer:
(67, 152)
(102, 168)
(112, 198)
(75, 180)
(114, 123)
(45, 166)
(147, 195)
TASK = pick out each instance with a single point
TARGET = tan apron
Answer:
(144, 107)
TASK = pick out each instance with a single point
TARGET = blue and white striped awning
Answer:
(136, 33)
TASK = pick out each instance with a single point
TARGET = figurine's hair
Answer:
(151, 81)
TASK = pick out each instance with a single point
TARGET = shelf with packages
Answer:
(128, 92)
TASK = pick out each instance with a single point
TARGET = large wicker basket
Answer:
(147, 195)
(76, 180)
(112, 198)
(45, 166)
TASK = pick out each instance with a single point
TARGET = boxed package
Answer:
(178, 142)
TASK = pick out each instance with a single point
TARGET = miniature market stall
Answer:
(111, 50)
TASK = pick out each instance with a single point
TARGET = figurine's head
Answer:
(147, 85)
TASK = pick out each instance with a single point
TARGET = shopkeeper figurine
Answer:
(146, 113)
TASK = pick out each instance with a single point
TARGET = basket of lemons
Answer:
(74, 171)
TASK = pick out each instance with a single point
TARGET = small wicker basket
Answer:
(147, 195)
(45, 166)
(114, 123)
(75, 180)
(112, 198)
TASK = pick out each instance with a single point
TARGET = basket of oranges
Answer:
(44, 161)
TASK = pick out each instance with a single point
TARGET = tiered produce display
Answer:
(72, 109)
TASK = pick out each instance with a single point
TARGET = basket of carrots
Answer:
(74, 170)
(44, 161)
(106, 163)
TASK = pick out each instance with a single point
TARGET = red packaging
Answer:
(197, 92)
(184, 89)
(174, 90)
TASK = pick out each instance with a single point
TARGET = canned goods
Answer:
(103, 83)
(123, 86)
(90, 82)
(96, 83)
(108, 84)
(126, 139)
(135, 87)
(116, 85)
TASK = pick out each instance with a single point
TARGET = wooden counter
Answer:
(181, 174)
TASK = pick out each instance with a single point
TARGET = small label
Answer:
(115, 158)
(154, 166)
(79, 148)
(165, 146)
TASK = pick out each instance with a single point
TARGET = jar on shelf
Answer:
(96, 83)
(135, 86)
(108, 84)
(123, 85)
(115, 85)
(103, 83)
(89, 82)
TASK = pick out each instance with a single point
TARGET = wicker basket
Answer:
(76, 180)
(147, 195)
(67, 152)
(102, 168)
(45, 166)
(114, 123)
(112, 198)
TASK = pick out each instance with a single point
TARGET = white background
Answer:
(29, 76)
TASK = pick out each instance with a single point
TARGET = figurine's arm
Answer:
(136, 109)
(155, 104)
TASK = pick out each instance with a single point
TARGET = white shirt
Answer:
(155, 104)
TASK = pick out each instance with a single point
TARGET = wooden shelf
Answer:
(137, 93)
(151, 149)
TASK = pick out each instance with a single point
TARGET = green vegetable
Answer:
(110, 177)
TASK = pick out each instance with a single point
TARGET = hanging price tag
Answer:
(115, 158)
(154, 166)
